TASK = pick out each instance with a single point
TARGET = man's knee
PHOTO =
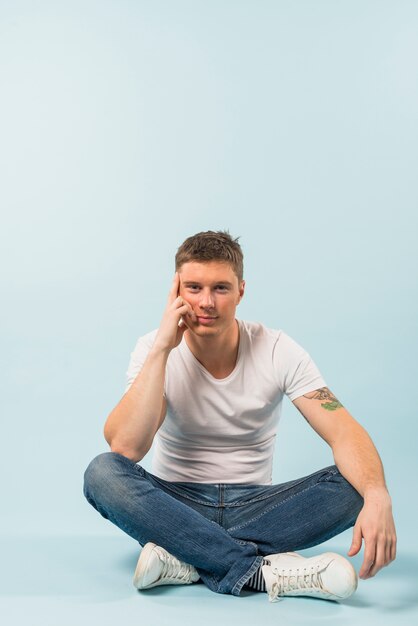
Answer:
(100, 471)
(354, 499)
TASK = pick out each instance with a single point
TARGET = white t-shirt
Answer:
(224, 430)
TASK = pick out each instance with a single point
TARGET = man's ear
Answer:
(241, 291)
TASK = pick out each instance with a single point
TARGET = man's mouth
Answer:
(206, 320)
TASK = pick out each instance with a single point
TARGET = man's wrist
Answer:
(376, 491)
(157, 350)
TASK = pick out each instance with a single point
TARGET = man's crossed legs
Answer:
(222, 530)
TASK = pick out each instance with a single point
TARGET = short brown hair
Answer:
(212, 245)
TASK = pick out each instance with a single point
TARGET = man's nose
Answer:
(206, 299)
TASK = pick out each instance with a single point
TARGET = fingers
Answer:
(174, 292)
(174, 296)
(380, 558)
(189, 310)
(388, 553)
(174, 289)
(369, 558)
(379, 534)
(356, 542)
(393, 550)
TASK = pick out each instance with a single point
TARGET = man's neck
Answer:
(218, 353)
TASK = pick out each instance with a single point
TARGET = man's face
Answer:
(212, 290)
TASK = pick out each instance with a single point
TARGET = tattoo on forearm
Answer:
(325, 394)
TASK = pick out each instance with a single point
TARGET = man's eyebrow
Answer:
(218, 282)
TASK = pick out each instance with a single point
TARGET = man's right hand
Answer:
(173, 323)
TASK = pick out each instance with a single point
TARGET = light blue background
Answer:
(127, 127)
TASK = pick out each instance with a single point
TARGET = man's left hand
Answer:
(376, 525)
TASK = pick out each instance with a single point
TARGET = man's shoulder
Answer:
(255, 327)
(151, 334)
(258, 330)
(146, 339)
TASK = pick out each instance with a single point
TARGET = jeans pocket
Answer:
(328, 473)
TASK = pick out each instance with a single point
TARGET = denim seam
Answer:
(236, 589)
(242, 503)
(269, 495)
(270, 509)
(127, 529)
(233, 504)
(183, 495)
(167, 486)
(245, 543)
(170, 487)
(331, 474)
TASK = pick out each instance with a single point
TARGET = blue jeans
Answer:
(223, 530)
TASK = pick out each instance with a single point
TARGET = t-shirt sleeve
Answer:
(296, 371)
(138, 357)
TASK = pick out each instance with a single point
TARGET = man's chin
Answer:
(201, 329)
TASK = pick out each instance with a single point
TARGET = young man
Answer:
(207, 388)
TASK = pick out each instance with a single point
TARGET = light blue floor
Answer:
(77, 580)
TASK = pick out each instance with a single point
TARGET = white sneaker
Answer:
(328, 576)
(156, 567)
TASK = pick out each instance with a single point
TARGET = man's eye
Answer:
(218, 286)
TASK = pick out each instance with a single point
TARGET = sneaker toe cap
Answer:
(340, 577)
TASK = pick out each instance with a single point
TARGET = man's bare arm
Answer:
(358, 461)
(131, 426)
(353, 450)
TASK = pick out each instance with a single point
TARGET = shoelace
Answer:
(310, 578)
(173, 568)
